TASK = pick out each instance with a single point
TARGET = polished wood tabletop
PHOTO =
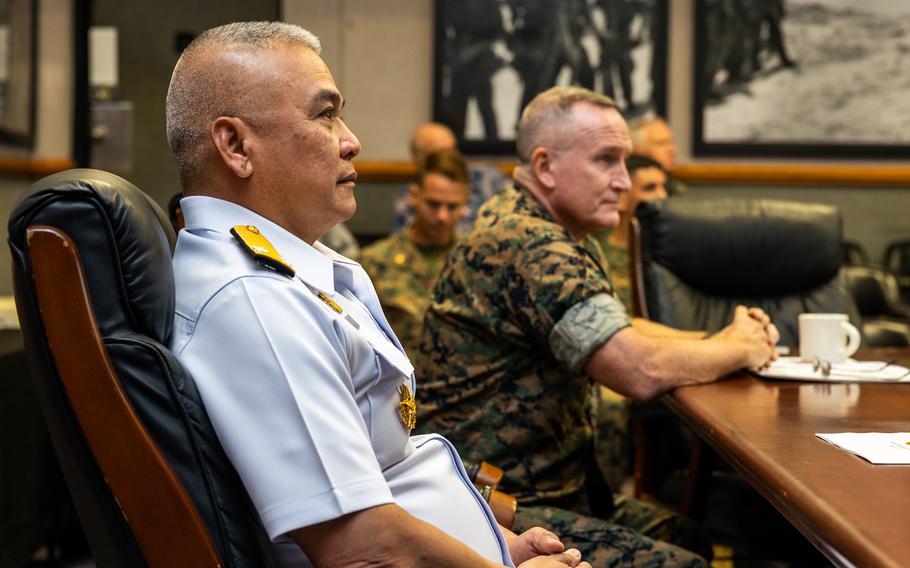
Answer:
(856, 513)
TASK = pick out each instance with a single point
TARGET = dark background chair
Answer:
(886, 318)
(853, 253)
(897, 261)
(696, 259)
(95, 296)
(693, 261)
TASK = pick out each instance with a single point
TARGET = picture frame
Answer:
(18, 52)
(802, 78)
(492, 56)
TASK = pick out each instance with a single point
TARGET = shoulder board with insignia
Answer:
(261, 249)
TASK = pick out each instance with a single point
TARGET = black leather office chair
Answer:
(897, 261)
(853, 253)
(886, 318)
(875, 292)
(95, 296)
(696, 259)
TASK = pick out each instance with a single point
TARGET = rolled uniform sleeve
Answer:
(586, 326)
(571, 305)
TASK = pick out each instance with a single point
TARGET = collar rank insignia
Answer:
(261, 249)
(332, 304)
(407, 407)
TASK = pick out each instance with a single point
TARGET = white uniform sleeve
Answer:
(275, 378)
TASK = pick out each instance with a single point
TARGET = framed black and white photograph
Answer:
(17, 71)
(802, 78)
(493, 56)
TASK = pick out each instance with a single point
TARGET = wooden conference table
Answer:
(856, 513)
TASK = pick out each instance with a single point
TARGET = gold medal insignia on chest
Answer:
(407, 407)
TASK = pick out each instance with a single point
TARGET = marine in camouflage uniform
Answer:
(404, 273)
(612, 440)
(516, 313)
(618, 268)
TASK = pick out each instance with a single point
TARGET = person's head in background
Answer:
(175, 213)
(649, 183)
(439, 197)
(653, 138)
(431, 137)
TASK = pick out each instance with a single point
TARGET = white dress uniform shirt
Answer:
(305, 399)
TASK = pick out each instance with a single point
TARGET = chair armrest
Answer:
(487, 474)
(502, 504)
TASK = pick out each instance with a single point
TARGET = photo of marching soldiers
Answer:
(810, 72)
(494, 55)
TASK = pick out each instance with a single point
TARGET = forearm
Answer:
(383, 536)
(654, 329)
(639, 366)
(510, 537)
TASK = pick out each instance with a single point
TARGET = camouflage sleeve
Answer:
(553, 276)
(406, 326)
(585, 327)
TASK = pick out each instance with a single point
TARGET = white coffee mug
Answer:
(827, 337)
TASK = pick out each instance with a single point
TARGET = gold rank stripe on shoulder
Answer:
(261, 249)
(330, 302)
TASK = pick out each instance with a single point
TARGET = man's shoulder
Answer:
(508, 217)
(517, 234)
(203, 267)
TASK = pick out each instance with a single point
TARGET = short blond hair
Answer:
(548, 111)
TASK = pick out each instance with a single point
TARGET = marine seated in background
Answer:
(404, 266)
(653, 138)
(485, 178)
(649, 183)
(524, 318)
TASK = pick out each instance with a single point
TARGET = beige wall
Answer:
(54, 117)
(381, 53)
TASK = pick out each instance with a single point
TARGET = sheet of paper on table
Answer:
(850, 371)
(876, 447)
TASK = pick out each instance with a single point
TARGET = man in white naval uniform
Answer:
(305, 383)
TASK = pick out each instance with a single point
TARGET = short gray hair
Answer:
(638, 130)
(197, 95)
(548, 109)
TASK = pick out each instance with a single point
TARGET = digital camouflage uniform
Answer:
(516, 312)
(612, 439)
(618, 268)
(403, 274)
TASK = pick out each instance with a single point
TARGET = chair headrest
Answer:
(742, 247)
(109, 218)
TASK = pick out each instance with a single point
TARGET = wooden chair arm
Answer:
(488, 474)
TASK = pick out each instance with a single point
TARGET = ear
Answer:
(230, 137)
(542, 166)
(413, 192)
